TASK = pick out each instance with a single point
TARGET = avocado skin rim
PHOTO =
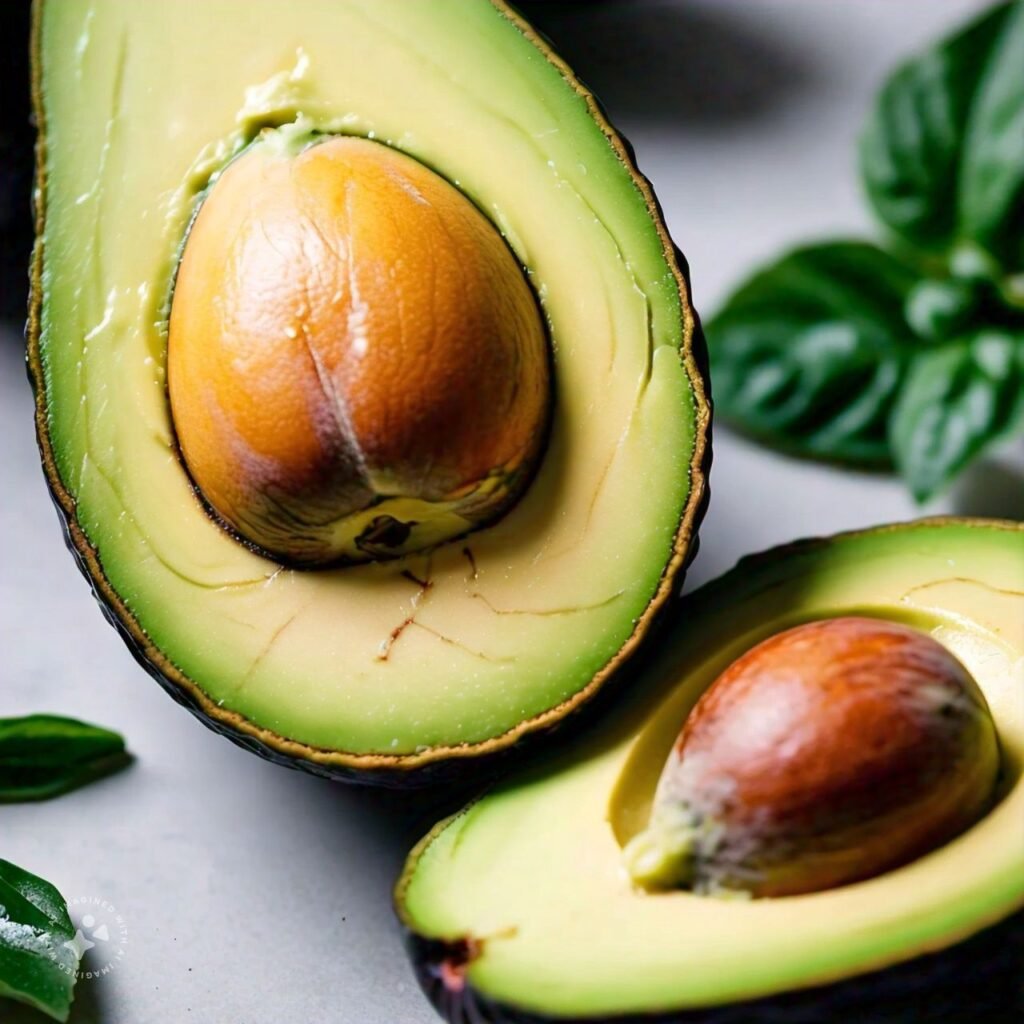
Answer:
(977, 981)
(441, 765)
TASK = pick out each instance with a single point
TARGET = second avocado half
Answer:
(520, 907)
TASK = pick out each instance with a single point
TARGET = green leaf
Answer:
(912, 147)
(45, 755)
(956, 401)
(840, 350)
(38, 964)
(992, 178)
(808, 353)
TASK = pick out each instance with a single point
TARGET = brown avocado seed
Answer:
(827, 754)
(357, 367)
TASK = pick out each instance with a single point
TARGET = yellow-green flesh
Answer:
(142, 103)
(535, 869)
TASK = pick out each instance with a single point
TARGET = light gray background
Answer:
(255, 894)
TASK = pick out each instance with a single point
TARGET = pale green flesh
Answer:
(535, 869)
(141, 105)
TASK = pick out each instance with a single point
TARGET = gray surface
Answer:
(254, 894)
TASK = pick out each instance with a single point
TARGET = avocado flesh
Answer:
(532, 874)
(139, 107)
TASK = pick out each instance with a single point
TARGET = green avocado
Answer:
(520, 907)
(384, 668)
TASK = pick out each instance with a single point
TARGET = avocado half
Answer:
(379, 670)
(519, 909)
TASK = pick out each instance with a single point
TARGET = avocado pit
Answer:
(357, 367)
(825, 755)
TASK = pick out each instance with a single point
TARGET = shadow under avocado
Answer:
(16, 160)
(664, 61)
(990, 488)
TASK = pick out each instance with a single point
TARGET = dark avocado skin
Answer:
(978, 981)
(16, 139)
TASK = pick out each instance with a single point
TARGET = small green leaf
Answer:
(42, 756)
(808, 353)
(956, 401)
(911, 151)
(38, 962)
(992, 177)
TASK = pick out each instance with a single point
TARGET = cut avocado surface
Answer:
(450, 652)
(520, 906)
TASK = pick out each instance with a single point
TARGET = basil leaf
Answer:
(808, 353)
(956, 401)
(992, 185)
(43, 756)
(38, 960)
(910, 152)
